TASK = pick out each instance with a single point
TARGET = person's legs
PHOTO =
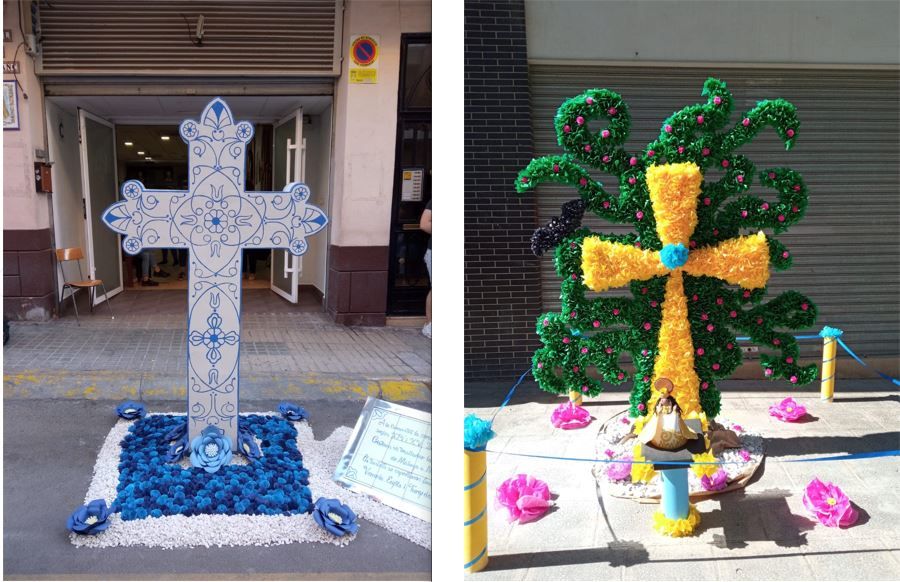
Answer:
(147, 264)
(427, 329)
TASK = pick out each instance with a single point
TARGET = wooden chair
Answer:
(76, 254)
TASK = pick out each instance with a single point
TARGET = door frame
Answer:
(84, 114)
(293, 265)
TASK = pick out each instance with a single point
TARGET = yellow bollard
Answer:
(475, 511)
(829, 336)
(575, 397)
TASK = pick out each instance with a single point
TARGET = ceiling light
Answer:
(128, 144)
(164, 137)
(148, 158)
(141, 153)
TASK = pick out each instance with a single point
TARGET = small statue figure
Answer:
(666, 429)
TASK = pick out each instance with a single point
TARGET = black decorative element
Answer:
(559, 227)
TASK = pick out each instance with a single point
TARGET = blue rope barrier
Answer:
(848, 457)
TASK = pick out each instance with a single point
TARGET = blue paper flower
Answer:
(247, 444)
(291, 411)
(211, 450)
(130, 410)
(335, 517)
(89, 519)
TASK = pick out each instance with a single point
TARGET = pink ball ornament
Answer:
(540, 365)
(705, 151)
(797, 188)
(584, 388)
(771, 175)
(781, 218)
(566, 340)
(606, 204)
(740, 178)
(524, 179)
(556, 168)
(719, 301)
(717, 100)
(793, 379)
(566, 129)
(573, 246)
(715, 232)
(795, 208)
(668, 128)
(769, 371)
(707, 201)
(644, 352)
(583, 181)
(609, 350)
(653, 304)
(705, 385)
(725, 163)
(776, 342)
(733, 314)
(785, 255)
(639, 215)
(716, 366)
(615, 312)
(680, 149)
(729, 346)
(584, 350)
(643, 290)
(587, 148)
(546, 322)
(620, 375)
(579, 120)
(633, 161)
(710, 327)
(700, 351)
(632, 180)
(575, 369)
(612, 111)
(573, 314)
(641, 407)
(589, 100)
(606, 159)
(759, 320)
(604, 133)
(790, 133)
(637, 244)
(694, 297)
(743, 214)
(646, 378)
(692, 244)
(574, 277)
(596, 323)
(746, 122)
(804, 306)
(765, 206)
(746, 295)
(704, 316)
(647, 326)
(651, 153)
(700, 120)
(789, 360)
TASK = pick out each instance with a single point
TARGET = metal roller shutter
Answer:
(847, 249)
(111, 37)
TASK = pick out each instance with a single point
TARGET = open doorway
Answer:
(100, 142)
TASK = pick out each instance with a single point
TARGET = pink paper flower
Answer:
(620, 471)
(737, 428)
(569, 415)
(828, 504)
(717, 482)
(788, 410)
(525, 497)
(745, 454)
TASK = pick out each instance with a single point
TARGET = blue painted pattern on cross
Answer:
(215, 219)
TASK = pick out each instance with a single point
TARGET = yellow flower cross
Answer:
(743, 261)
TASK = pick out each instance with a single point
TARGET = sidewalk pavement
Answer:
(49, 451)
(286, 352)
(761, 532)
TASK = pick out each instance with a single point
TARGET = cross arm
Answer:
(146, 218)
(287, 219)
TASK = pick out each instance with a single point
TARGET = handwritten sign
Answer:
(389, 457)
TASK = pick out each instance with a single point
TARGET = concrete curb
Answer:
(150, 386)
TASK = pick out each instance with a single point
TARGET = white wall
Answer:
(734, 31)
(68, 223)
(366, 123)
(23, 209)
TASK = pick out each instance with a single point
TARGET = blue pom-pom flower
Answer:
(476, 433)
(673, 256)
(335, 517)
(130, 410)
(89, 519)
(292, 412)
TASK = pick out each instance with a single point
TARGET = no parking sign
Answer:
(364, 58)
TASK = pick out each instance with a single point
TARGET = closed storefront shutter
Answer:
(265, 38)
(847, 249)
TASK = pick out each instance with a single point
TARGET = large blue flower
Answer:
(291, 411)
(130, 410)
(335, 517)
(89, 519)
(211, 450)
(247, 444)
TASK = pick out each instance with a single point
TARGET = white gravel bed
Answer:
(175, 531)
(620, 425)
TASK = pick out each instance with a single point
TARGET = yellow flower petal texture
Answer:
(740, 261)
(608, 264)
(674, 189)
(640, 473)
(677, 528)
(701, 470)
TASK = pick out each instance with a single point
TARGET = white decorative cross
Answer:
(215, 220)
